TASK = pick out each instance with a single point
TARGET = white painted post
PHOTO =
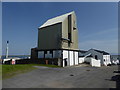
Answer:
(63, 63)
(59, 62)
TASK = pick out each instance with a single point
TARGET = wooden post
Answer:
(46, 62)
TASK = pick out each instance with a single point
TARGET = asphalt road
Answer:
(68, 77)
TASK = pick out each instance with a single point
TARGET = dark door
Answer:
(96, 57)
(65, 62)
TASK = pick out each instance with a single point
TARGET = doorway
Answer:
(65, 61)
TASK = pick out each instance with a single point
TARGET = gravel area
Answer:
(81, 76)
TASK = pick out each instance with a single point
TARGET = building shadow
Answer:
(115, 78)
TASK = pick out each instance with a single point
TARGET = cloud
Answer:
(110, 46)
(102, 33)
(106, 40)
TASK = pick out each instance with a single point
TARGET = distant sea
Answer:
(19, 56)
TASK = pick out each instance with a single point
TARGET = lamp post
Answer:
(7, 49)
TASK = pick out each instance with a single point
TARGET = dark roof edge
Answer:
(104, 53)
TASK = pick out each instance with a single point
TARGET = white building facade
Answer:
(66, 57)
(98, 55)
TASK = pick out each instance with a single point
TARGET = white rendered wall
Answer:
(95, 63)
(107, 59)
(65, 56)
(41, 54)
(88, 59)
(71, 58)
(76, 58)
(81, 59)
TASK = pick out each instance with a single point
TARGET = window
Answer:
(96, 57)
(69, 36)
(74, 26)
(68, 44)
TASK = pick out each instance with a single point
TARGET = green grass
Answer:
(12, 70)
(0, 72)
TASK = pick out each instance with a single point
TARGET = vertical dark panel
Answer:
(62, 58)
(78, 57)
(52, 53)
(34, 53)
(68, 58)
(69, 29)
(69, 24)
(44, 54)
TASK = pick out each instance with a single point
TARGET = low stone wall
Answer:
(95, 63)
(53, 61)
(81, 60)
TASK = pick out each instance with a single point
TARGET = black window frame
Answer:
(45, 52)
(51, 51)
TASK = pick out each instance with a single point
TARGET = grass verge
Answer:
(0, 72)
(9, 71)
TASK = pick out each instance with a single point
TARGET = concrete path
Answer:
(68, 77)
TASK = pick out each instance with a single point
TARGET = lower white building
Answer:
(66, 57)
(106, 59)
(115, 59)
(62, 57)
(101, 58)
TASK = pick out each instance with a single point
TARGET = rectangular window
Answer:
(40, 54)
(69, 37)
(68, 44)
(69, 27)
(96, 57)
(69, 30)
(74, 26)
